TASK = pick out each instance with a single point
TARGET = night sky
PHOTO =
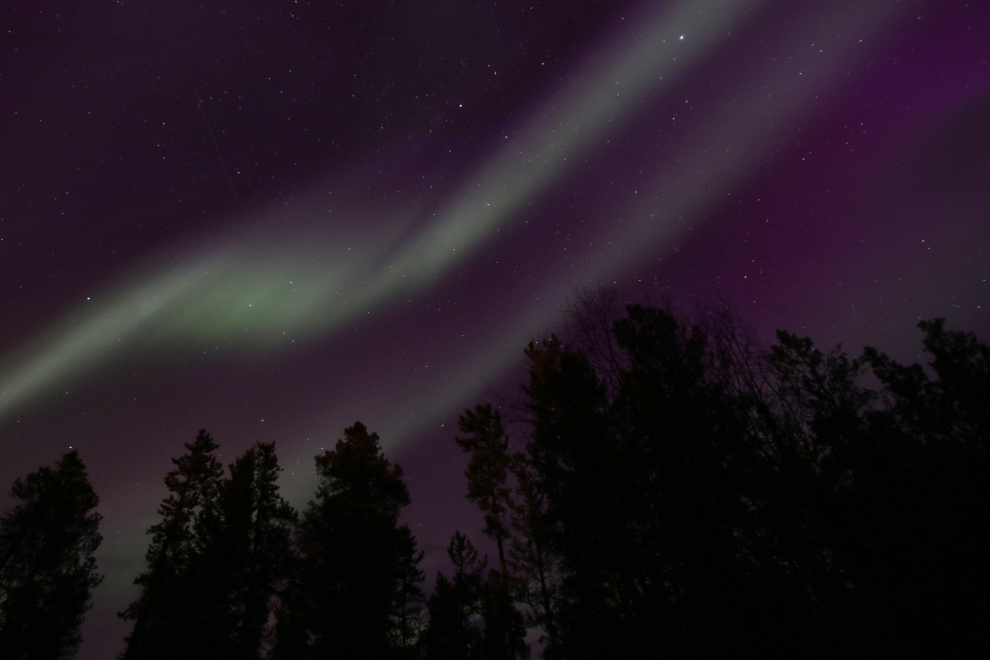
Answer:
(273, 218)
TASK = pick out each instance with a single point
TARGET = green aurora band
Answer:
(252, 295)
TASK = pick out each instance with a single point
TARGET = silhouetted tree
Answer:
(243, 557)
(408, 599)
(47, 568)
(503, 635)
(655, 492)
(488, 472)
(829, 517)
(923, 583)
(217, 559)
(487, 475)
(582, 476)
(453, 633)
(692, 486)
(165, 613)
(690, 460)
(535, 568)
(354, 557)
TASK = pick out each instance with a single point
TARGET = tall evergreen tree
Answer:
(47, 568)
(488, 472)
(164, 615)
(269, 551)
(453, 632)
(408, 599)
(354, 557)
(534, 565)
(243, 557)
(503, 636)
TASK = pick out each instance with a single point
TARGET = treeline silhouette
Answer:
(663, 485)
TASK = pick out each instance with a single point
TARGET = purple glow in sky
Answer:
(275, 218)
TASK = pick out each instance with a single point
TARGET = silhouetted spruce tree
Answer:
(487, 475)
(165, 614)
(47, 567)
(488, 472)
(269, 560)
(503, 635)
(534, 566)
(354, 557)
(453, 632)
(408, 600)
(243, 557)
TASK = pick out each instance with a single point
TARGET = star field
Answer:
(273, 218)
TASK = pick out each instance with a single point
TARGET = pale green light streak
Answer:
(220, 303)
(254, 295)
(566, 126)
(49, 361)
(682, 186)
(734, 140)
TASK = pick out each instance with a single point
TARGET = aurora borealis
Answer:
(415, 190)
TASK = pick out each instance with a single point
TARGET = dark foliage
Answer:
(243, 557)
(165, 615)
(536, 574)
(47, 567)
(690, 490)
(925, 580)
(453, 633)
(683, 490)
(407, 603)
(488, 472)
(217, 559)
(503, 636)
(357, 567)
